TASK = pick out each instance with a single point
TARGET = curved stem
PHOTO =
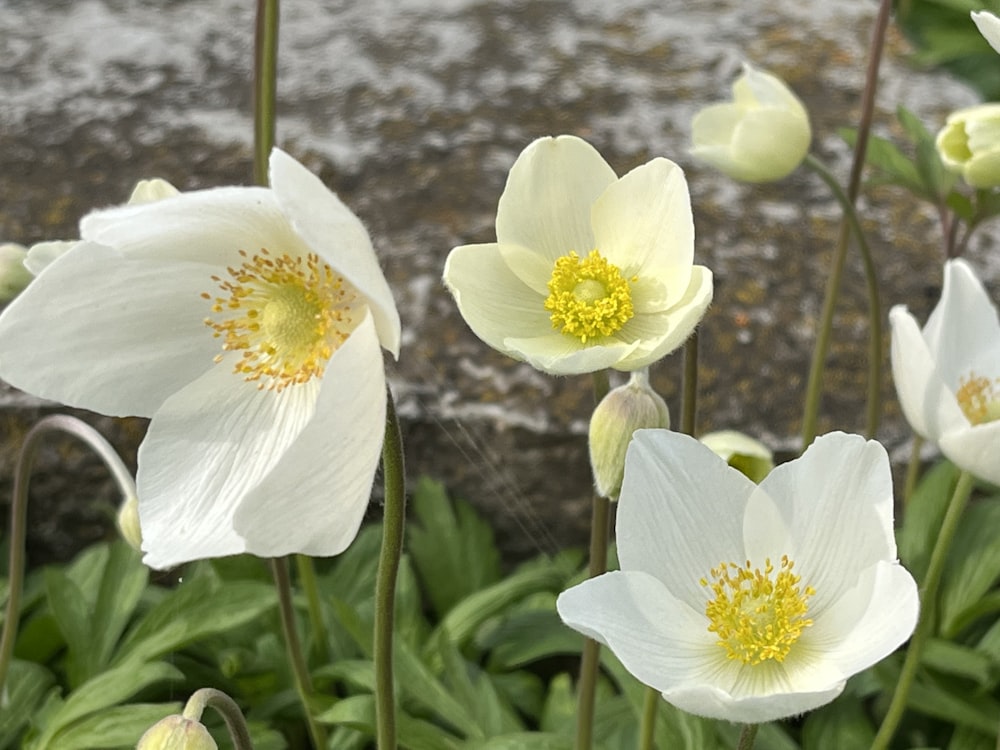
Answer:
(822, 346)
(647, 727)
(307, 577)
(928, 596)
(747, 735)
(912, 471)
(225, 707)
(394, 517)
(19, 511)
(300, 672)
(265, 74)
(872, 411)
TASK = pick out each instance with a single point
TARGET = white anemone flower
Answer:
(989, 26)
(948, 375)
(589, 271)
(750, 602)
(247, 323)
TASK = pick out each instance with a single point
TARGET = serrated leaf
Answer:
(26, 685)
(959, 661)
(115, 727)
(923, 515)
(525, 637)
(121, 587)
(559, 711)
(73, 616)
(975, 566)
(358, 712)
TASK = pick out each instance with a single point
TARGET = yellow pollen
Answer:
(588, 297)
(756, 614)
(979, 398)
(286, 314)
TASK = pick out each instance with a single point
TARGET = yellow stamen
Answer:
(588, 297)
(757, 615)
(287, 314)
(979, 398)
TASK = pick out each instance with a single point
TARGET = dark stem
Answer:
(265, 77)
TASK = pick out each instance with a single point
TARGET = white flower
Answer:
(589, 271)
(744, 602)
(989, 26)
(246, 322)
(761, 136)
(969, 144)
(948, 375)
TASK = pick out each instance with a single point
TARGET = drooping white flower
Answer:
(750, 602)
(948, 375)
(589, 271)
(762, 135)
(247, 323)
(989, 26)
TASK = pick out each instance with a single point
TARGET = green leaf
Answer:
(124, 580)
(474, 690)
(952, 701)
(115, 727)
(923, 516)
(525, 637)
(891, 164)
(960, 661)
(974, 566)
(840, 724)
(969, 739)
(27, 684)
(523, 741)
(73, 615)
(358, 712)
(559, 711)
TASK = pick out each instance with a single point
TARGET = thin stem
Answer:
(689, 396)
(394, 517)
(747, 735)
(928, 596)
(912, 471)
(600, 521)
(265, 76)
(300, 672)
(647, 727)
(873, 411)
(225, 707)
(822, 346)
(307, 577)
(19, 511)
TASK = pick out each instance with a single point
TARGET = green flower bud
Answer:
(627, 408)
(13, 275)
(970, 144)
(177, 733)
(742, 452)
(128, 523)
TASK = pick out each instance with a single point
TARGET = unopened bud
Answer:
(627, 408)
(742, 452)
(128, 523)
(177, 733)
(13, 275)
(150, 191)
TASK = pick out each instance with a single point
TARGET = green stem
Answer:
(265, 76)
(394, 516)
(647, 728)
(747, 735)
(300, 672)
(912, 471)
(19, 512)
(822, 346)
(225, 707)
(600, 521)
(307, 577)
(873, 411)
(928, 596)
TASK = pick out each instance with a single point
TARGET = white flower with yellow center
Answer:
(589, 271)
(750, 602)
(948, 375)
(247, 323)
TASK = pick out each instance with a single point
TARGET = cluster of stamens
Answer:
(588, 297)
(757, 615)
(286, 314)
(979, 398)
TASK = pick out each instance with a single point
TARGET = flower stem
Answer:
(928, 595)
(747, 735)
(873, 411)
(822, 346)
(19, 511)
(394, 516)
(265, 76)
(647, 728)
(300, 672)
(307, 577)
(600, 520)
(912, 471)
(225, 707)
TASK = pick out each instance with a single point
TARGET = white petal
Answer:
(712, 130)
(928, 404)
(643, 225)
(559, 354)
(766, 535)
(313, 500)
(868, 621)
(338, 236)
(680, 512)
(156, 189)
(546, 203)
(110, 333)
(207, 447)
(714, 703)
(975, 449)
(837, 502)
(774, 141)
(494, 302)
(41, 255)
(989, 26)
(658, 639)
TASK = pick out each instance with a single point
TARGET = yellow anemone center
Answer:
(286, 314)
(979, 398)
(588, 297)
(757, 615)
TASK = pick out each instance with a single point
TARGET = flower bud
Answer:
(969, 144)
(177, 733)
(149, 191)
(627, 408)
(128, 523)
(13, 275)
(761, 136)
(742, 452)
